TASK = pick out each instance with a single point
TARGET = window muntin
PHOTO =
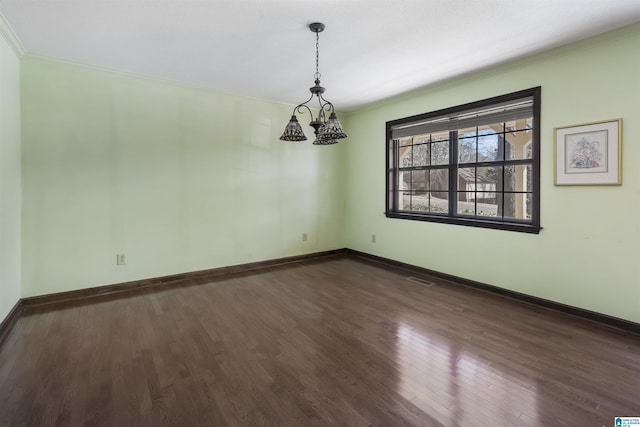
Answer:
(476, 164)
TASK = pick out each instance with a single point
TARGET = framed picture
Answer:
(589, 154)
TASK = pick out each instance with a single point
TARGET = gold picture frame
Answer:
(589, 154)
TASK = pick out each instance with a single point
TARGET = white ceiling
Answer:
(370, 50)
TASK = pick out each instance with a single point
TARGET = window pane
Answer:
(406, 155)
(517, 145)
(518, 178)
(466, 203)
(419, 180)
(517, 205)
(467, 148)
(439, 203)
(487, 207)
(405, 180)
(439, 180)
(489, 179)
(466, 179)
(420, 201)
(490, 147)
(420, 154)
(519, 124)
(440, 153)
(405, 200)
(467, 145)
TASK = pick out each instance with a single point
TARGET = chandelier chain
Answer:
(317, 74)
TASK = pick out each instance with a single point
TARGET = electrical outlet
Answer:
(304, 237)
(373, 238)
(120, 259)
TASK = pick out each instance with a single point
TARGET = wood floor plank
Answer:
(337, 341)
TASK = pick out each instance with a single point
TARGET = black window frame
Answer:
(392, 168)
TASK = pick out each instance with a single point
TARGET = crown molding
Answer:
(6, 31)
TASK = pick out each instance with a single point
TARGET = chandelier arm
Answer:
(327, 106)
(299, 109)
(320, 109)
(324, 103)
(302, 104)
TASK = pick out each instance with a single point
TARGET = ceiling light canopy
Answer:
(327, 130)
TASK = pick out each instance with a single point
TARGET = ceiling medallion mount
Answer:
(317, 27)
(327, 130)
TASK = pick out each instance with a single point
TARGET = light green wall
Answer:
(588, 254)
(10, 177)
(178, 178)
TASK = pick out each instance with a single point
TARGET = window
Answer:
(477, 164)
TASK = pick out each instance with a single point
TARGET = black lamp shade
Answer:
(332, 130)
(293, 131)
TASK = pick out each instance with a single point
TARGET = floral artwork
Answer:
(589, 154)
(586, 151)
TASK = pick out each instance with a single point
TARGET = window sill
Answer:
(517, 226)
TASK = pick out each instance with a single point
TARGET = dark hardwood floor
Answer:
(337, 341)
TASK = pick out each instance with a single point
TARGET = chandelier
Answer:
(327, 130)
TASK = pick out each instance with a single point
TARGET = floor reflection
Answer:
(457, 387)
